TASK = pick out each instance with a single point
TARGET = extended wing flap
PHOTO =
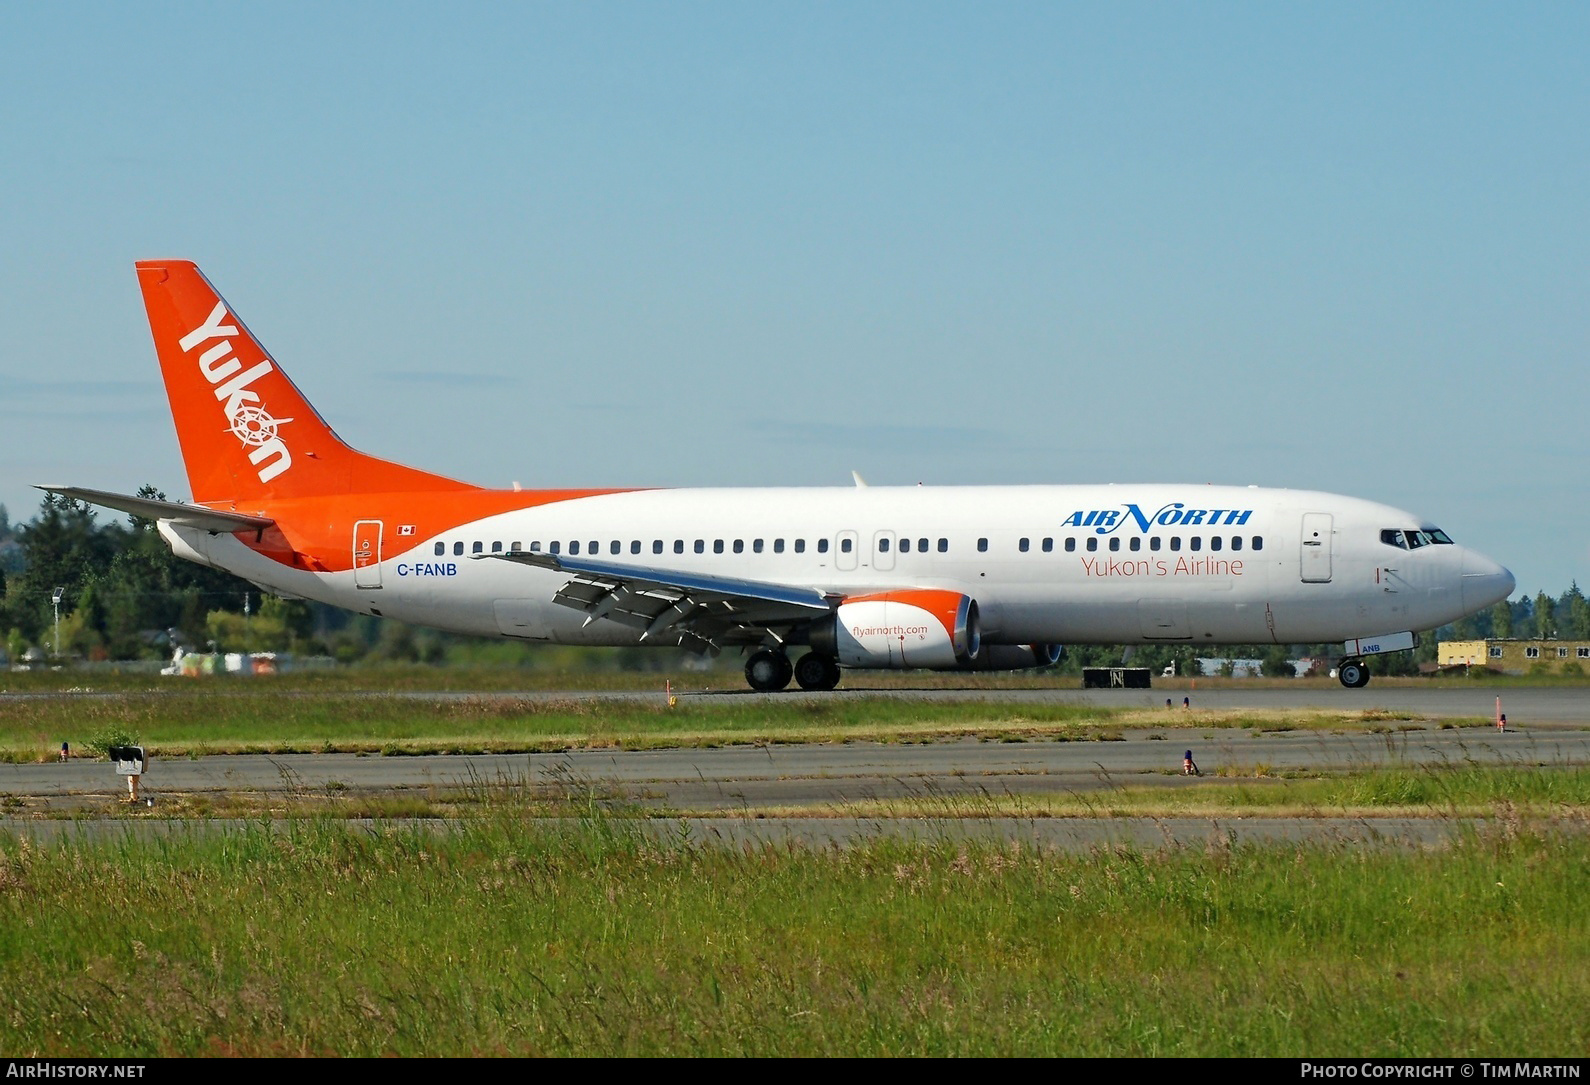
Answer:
(171, 511)
(669, 603)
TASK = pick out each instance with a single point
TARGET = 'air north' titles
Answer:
(1176, 514)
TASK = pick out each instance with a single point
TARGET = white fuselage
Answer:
(1046, 564)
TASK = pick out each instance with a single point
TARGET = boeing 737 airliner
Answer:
(947, 578)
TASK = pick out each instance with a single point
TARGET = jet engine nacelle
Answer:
(1013, 657)
(926, 627)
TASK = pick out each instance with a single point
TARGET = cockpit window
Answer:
(1412, 538)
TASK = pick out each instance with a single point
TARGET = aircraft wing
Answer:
(703, 612)
(172, 511)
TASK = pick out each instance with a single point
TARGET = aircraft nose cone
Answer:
(1484, 582)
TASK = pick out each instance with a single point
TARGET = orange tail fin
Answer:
(246, 431)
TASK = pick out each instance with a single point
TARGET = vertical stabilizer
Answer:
(246, 431)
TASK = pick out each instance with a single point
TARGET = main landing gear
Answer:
(768, 671)
(1353, 673)
(816, 671)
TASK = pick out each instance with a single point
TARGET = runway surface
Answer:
(709, 781)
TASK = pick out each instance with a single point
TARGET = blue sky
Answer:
(1330, 246)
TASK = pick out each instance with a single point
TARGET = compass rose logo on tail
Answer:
(254, 426)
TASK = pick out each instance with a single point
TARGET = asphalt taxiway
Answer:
(1548, 727)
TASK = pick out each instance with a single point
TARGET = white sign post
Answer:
(131, 762)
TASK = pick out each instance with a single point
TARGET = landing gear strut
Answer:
(816, 671)
(1353, 673)
(768, 671)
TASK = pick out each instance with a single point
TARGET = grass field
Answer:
(537, 922)
(510, 936)
(246, 717)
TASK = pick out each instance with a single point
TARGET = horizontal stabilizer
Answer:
(171, 511)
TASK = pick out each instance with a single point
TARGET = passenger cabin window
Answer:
(717, 546)
(1214, 543)
(478, 547)
(905, 546)
(756, 546)
(844, 545)
(634, 546)
(1195, 543)
(800, 546)
(822, 546)
(982, 546)
(557, 547)
(1258, 542)
(883, 546)
(778, 546)
(441, 548)
(1071, 545)
(1236, 542)
(739, 546)
(944, 546)
(1153, 542)
(1136, 543)
(1024, 545)
(656, 546)
(517, 546)
(701, 546)
(679, 546)
(1093, 543)
(458, 548)
(1175, 542)
(615, 547)
(574, 546)
(594, 548)
(922, 546)
(1115, 542)
(496, 548)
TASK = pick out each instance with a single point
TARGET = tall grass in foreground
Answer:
(505, 936)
